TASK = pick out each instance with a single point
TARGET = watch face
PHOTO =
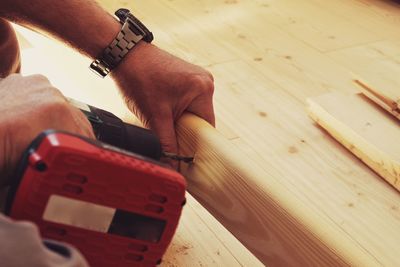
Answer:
(122, 13)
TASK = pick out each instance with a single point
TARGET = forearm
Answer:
(82, 24)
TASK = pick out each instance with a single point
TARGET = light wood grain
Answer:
(251, 31)
(275, 131)
(267, 57)
(364, 129)
(376, 64)
(202, 241)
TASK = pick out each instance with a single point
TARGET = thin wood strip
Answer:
(390, 102)
(367, 132)
(391, 105)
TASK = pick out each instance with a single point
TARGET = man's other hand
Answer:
(159, 87)
(21, 245)
(28, 106)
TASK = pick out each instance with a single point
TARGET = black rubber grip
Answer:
(110, 129)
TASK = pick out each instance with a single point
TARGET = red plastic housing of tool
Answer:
(143, 199)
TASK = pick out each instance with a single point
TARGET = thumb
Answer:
(164, 128)
(203, 107)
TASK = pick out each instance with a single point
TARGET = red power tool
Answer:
(117, 207)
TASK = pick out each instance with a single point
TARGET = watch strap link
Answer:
(126, 39)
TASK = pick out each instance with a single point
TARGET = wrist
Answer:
(110, 30)
(131, 34)
(132, 61)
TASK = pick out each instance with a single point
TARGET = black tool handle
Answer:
(110, 129)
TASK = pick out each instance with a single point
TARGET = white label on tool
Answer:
(78, 213)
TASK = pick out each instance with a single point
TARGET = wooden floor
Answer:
(267, 57)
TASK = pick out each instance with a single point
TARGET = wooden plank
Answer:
(202, 241)
(379, 17)
(257, 208)
(364, 129)
(305, 21)
(376, 64)
(247, 30)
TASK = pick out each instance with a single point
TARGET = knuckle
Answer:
(12, 80)
(204, 82)
(5, 220)
(14, 76)
(208, 86)
(39, 78)
(40, 86)
(28, 226)
(53, 91)
(210, 76)
(54, 106)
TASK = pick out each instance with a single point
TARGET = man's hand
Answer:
(22, 246)
(29, 105)
(159, 88)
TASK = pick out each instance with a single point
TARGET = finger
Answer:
(83, 123)
(203, 107)
(164, 128)
(5, 219)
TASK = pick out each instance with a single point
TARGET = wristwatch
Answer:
(131, 33)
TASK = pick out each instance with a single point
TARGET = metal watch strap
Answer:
(132, 32)
(123, 14)
(116, 51)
